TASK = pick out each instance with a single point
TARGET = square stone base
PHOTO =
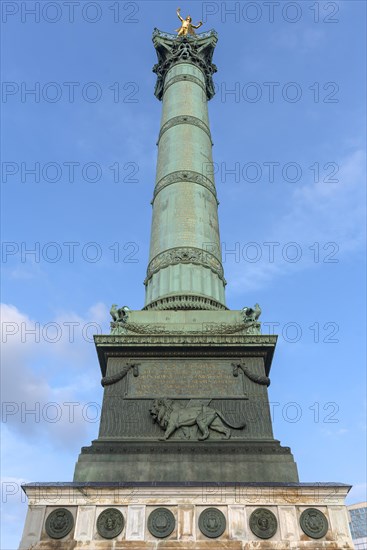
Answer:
(236, 501)
(185, 462)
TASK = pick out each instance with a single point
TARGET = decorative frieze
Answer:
(185, 255)
(264, 516)
(184, 78)
(208, 328)
(184, 119)
(153, 448)
(187, 339)
(185, 301)
(184, 176)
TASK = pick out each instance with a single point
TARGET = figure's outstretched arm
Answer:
(200, 24)
(179, 15)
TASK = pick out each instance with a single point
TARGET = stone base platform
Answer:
(183, 462)
(241, 516)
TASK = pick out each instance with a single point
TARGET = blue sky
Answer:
(297, 108)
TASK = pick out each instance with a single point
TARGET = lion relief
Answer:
(171, 417)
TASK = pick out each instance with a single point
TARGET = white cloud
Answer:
(331, 211)
(47, 385)
(303, 41)
(57, 381)
(335, 433)
(13, 510)
(26, 272)
(318, 213)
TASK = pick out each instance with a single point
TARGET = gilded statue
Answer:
(187, 27)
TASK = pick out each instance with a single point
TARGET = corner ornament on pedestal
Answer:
(314, 523)
(250, 316)
(256, 378)
(110, 523)
(263, 523)
(110, 380)
(59, 523)
(119, 318)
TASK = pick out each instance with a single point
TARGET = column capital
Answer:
(172, 49)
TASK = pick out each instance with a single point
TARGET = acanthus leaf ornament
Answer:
(197, 50)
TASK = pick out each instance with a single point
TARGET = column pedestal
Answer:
(280, 513)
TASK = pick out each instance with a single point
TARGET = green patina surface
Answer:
(185, 207)
(185, 380)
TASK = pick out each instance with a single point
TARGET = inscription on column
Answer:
(182, 378)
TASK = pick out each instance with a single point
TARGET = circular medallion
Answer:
(314, 523)
(161, 523)
(59, 523)
(212, 523)
(263, 523)
(110, 523)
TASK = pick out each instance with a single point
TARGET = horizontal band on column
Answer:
(185, 301)
(184, 78)
(185, 119)
(206, 70)
(183, 176)
(185, 255)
